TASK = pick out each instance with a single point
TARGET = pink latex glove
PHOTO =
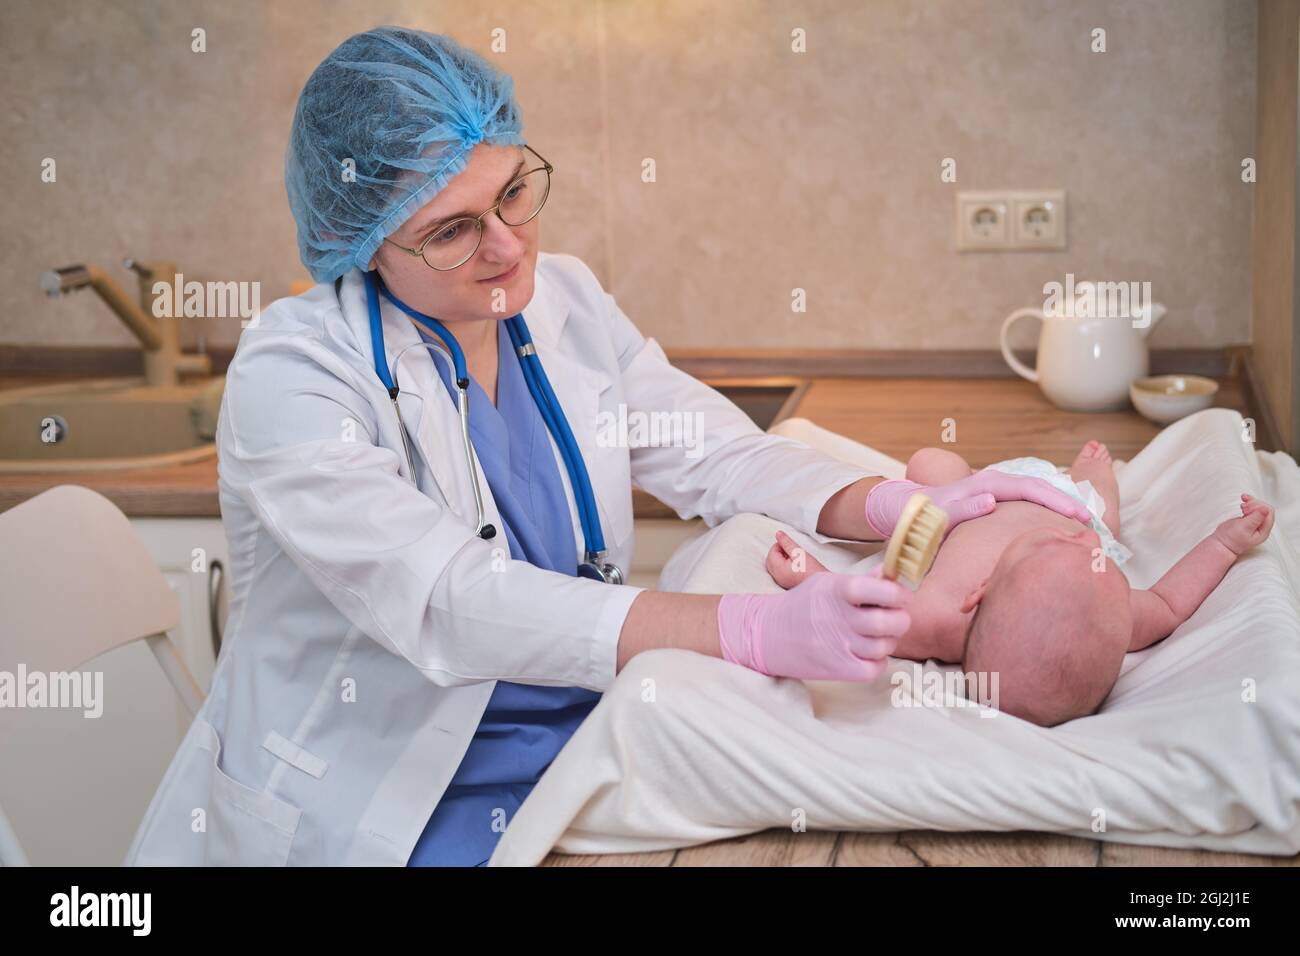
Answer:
(968, 498)
(817, 630)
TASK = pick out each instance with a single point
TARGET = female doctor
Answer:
(425, 606)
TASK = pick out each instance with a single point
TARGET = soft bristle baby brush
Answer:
(915, 541)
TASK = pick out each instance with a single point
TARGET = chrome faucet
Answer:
(160, 337)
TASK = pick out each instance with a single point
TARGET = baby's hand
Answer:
(1239, 535)
(788, 563)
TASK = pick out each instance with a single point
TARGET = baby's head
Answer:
(1054, 629)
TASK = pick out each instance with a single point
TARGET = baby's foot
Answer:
(1093, 464)
(788, 563)
(1091, 455)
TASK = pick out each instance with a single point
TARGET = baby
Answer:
(1054, 616)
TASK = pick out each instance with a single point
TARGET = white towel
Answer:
(1198, 745)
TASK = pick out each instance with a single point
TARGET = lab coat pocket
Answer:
(592, 407)
(611, 481)
(246, 827)
(602, 440)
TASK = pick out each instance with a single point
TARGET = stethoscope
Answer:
(594, 564)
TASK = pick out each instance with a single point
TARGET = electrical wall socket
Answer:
(983, 221)
(1010, 220)
(1038, 219)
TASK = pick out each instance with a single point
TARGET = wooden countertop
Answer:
(994, 418)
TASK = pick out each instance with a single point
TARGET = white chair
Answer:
(76, 582)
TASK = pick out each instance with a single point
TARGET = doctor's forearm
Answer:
(668, 619)
(845, 513)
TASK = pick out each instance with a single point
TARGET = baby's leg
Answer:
(1093, 465)
(936, 466)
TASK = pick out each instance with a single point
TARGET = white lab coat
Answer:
(368, 623)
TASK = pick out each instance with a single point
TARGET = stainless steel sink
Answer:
(107, 424)
(765, 400)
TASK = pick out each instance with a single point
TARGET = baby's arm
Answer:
(788, 564)
(1174, 598)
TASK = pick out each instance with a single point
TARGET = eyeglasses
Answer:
(454, 243)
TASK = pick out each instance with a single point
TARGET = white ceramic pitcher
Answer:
(1086, 362)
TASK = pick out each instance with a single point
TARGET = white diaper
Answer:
(1082, 491)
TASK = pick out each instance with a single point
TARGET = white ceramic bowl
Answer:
(1167, 398)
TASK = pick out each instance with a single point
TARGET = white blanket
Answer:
(1198, 745)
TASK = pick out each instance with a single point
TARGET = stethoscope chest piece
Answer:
(596, 568)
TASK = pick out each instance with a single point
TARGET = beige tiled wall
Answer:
(775, 170)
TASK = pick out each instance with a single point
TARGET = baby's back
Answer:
(965, 560)
(972, 548)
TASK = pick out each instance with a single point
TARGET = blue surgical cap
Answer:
(381, 126)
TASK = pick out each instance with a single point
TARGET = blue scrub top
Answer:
(524, 726)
